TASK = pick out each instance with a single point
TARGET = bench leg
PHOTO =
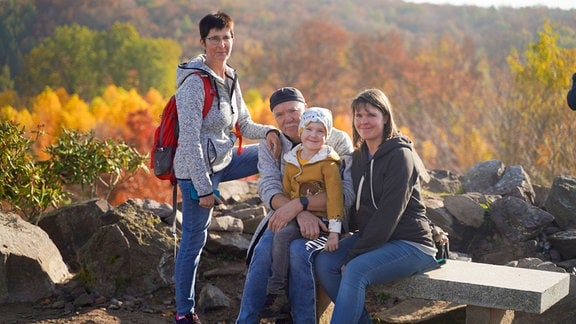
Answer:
(324, 306)
(483, 315)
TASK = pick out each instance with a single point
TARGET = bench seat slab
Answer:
(486, 285)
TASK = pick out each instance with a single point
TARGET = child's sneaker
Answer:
(190, 318)
(275, 305)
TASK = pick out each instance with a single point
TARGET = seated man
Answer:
(287, 105)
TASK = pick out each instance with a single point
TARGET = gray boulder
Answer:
(443, 181)
(561, 201)
(517, 220)
(133, 255)
(493, 178)
(483, 176)
(70, 227)
(31, 264)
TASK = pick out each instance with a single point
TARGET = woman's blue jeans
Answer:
(394, 260)
(195, 221)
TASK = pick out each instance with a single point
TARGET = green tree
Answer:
(139, 63)
(6, 82)
(16, 20)
(84, 61)
(69, 59)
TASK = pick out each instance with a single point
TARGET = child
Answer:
(310, 168)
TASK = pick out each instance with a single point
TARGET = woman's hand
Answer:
(207, 201)
(273, 143)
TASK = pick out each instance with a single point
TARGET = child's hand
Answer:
(332, 243)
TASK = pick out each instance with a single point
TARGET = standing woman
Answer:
(205, 155)
(391, 237)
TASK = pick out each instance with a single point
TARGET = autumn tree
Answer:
(534, 128)
(435, 89)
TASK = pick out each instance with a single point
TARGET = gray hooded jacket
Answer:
(205, 145)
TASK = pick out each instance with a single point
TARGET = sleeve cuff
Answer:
(335, 226)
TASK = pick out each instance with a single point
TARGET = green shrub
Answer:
(29, 187)
(26, 187)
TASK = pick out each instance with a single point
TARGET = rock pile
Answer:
(493, 214)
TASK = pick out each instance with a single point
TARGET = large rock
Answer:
(565, 243)
(493, 178)
(133, 255)
(234, 190)
(31, 264)
(483, 176)
(70, 227)
(515, 182)
(227, 243)
(517, 220)
(443, 181)
(561, 201)
(465, 209)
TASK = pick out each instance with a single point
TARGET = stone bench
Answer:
(491, 292)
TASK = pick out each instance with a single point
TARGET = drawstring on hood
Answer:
(359, 191)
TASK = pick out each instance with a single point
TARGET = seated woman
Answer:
(392, 236)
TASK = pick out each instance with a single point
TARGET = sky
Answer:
(561, 4)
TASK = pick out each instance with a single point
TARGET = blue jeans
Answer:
(302, 288)
(394, 260)
(195, 221)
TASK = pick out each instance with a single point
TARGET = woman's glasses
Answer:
(216, 40)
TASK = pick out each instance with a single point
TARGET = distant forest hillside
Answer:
(467, 84)
(24, 23)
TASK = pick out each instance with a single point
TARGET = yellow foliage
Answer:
(156, 104)
(258, 107)
(471, 149)
(21, 117)
(76, 115)
(343, 122)
(8, 113)
(47, 112)
(535, 126)
(112, 109)
(428, 151)
(406, 132)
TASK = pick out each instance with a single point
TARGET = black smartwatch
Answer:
(304, 202)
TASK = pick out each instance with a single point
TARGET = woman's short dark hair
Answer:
(218, 20)
(378, 99)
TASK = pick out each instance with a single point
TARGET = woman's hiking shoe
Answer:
(190, 318)
(275, 305)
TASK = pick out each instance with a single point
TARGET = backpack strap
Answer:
(239, 136)
(209, 92)
(174, 220)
